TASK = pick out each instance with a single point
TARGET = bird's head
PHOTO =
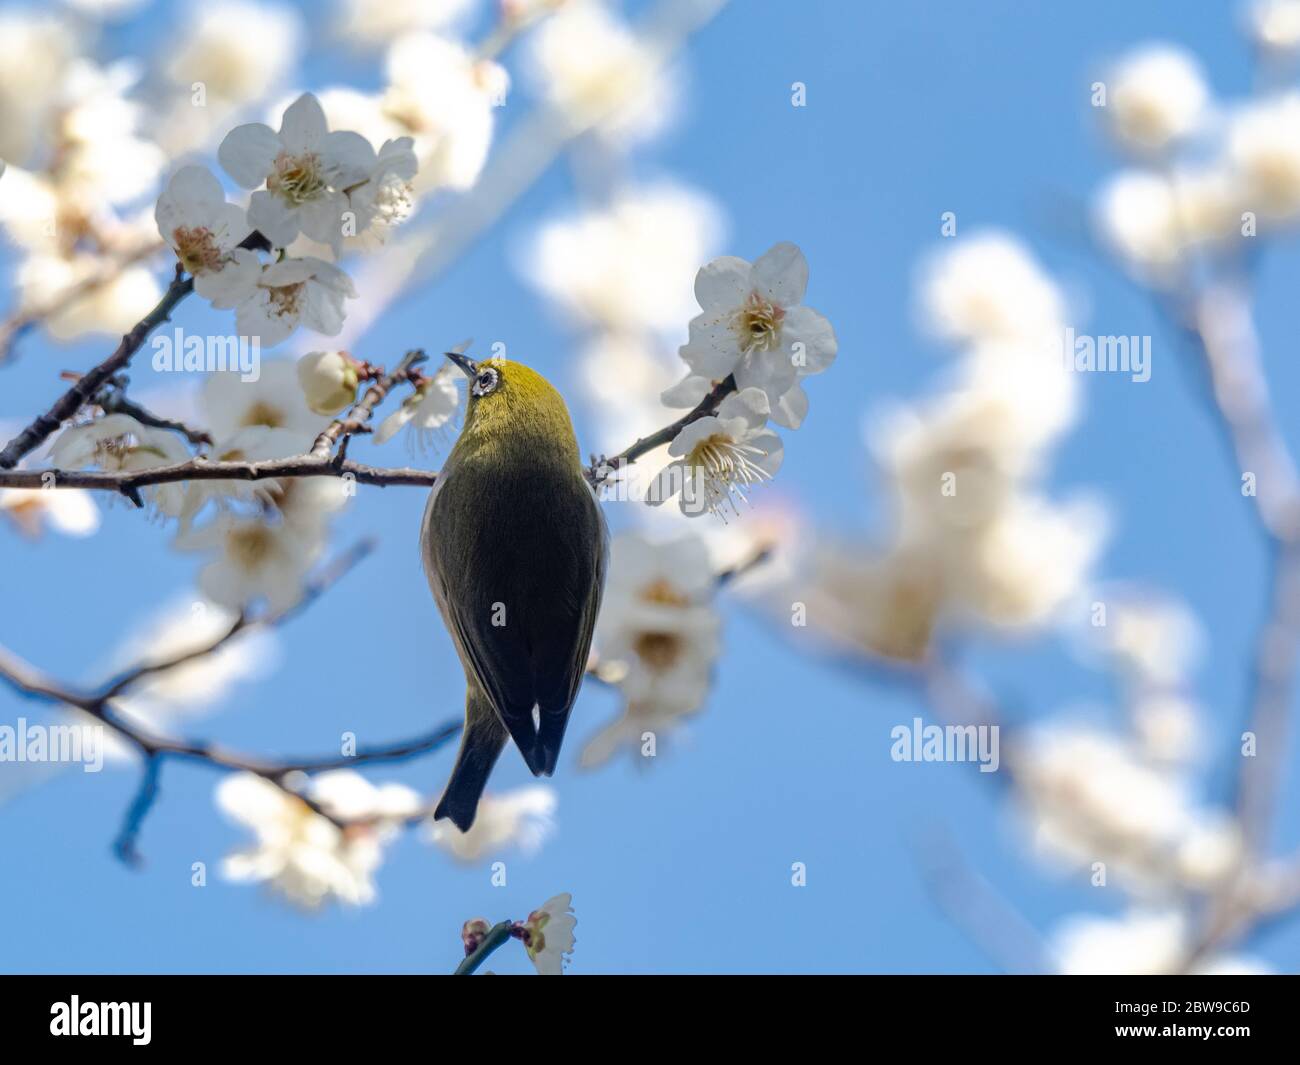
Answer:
(508, 401)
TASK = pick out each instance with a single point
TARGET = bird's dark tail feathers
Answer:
(480, 745)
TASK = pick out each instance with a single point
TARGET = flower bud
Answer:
(329, 380)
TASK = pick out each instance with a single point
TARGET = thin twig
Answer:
(601, 468)
(100, 705)
(89, 384)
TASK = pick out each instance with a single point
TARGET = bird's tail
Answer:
(480, 745)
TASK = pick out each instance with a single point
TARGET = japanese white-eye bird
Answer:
(514, 546)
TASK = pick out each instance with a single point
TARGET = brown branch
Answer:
(602, 468)
(89, 384)
(13, 328)
(112, 399)
(129, 482)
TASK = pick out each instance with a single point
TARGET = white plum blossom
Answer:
(117, 442)
(523, 818)
(113, 308)
(754, 325)
(386, 196)
(69, 511)
(548, 934)
(309, 291)
(329, 380)
(236, 49)
(443, 97)
(252, 443)
(1275, 24)
(306, 170)
(718, 458)
(370, 22)
(205, 232)
(595, 71)
(427, 410)
(1147, 942)
(274, 399)
(254, 560)
(1264, 152)
(36, 50)
(1155, 97)
(304, 856)
(988, 287)
(624, 266)
(657, 637)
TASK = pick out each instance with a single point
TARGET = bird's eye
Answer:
(485, 382)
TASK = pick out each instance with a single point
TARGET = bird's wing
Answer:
(472, 586)
(560, 640)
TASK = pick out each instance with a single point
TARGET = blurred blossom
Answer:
(1275, 24)
(254, 560)
(1153, 641)
(1091, 796)
(885, 604)
(625, 266)
(1154, 220)
(367, 23)
(443, 97)
(238, 52)
(1140, 943)
(251, 443)
(35, 52)
(30, 209)
(101, 160)
(1167, 728)
(197, 685)
(591, 66)
(69, 511)
(113, 307)
(548, 934)
(303, 855)
(1155, 96)
(1264, 150)
(228, 403)
(623, 374)
(523, 818)
(754, 325)
(656, 639)
(988, 287)
(1027, 564)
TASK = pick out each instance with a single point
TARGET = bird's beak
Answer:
(465, 363)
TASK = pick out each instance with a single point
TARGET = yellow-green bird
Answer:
(514, 546)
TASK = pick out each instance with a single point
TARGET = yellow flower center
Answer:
(250, 545)
(297, 178)
(197, 250)
(757, 324)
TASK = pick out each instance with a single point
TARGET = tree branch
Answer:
(155, 747)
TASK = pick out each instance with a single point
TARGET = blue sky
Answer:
(913, 109)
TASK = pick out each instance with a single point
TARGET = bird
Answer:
(515, 547)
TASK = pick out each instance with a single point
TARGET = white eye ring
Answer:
(485, 382)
